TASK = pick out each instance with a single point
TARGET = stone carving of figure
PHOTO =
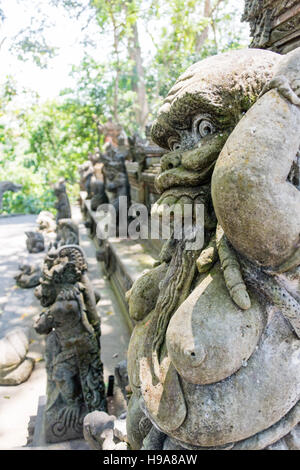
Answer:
(29, 276)
(74, 369)
(213, 361)
(35, 242)
(67, 233)
(116, 179)
(62, 205)
(46, 222)
(86, 172)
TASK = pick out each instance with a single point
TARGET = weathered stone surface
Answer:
(15, 367)
(253, 168)
(98, 430)
(120, 430)
(18, 375)
(35, 242)
(29, 276)
(46, 222)
(13, 348)
(234, 333)
(67, 233)
(274, 24)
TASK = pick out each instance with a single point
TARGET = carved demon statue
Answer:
(214, 359)
(74, 369)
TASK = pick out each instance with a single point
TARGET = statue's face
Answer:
(45, 293)
(193, 153)
(201, 110)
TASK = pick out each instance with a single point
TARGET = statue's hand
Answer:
(286, 79)
(289, 90)
(232, 271)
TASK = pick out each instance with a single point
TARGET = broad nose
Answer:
(171, 160)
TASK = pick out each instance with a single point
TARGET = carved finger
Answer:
(282, 85)
(232, 272)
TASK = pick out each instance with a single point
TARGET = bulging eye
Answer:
(203, 127)
(174, 144)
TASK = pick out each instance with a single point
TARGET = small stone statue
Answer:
(62, 205)
(15, 366)
(67, 233)
(70, 320)
(116, 179)
(8, 186)
(35, 242)
(98, 194)
(46, 222)
(86, 171)
(29, 276)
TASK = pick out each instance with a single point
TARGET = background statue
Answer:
(67, 233)
(213, 360)
(62, 205)
(70, 320)
(29, 276)
(115, 174)
(35, 242)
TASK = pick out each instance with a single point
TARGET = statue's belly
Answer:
(216, 337)
(252, 399)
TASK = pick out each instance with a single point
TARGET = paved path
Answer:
(18, 307)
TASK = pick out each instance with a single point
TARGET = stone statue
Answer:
(29, 276)
(75, 384)
(8, 186)
(62, 205)
(67, 233)
(35, 242)
(115, 174)
(98, 194)
(15, 366)
(86, 171)
(213, 361)
(46, 222)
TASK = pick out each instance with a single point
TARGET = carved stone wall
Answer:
(274, 24)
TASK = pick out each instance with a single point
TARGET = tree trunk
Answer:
(201, 38)
(139, 87)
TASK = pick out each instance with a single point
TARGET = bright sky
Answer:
(65, 34)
